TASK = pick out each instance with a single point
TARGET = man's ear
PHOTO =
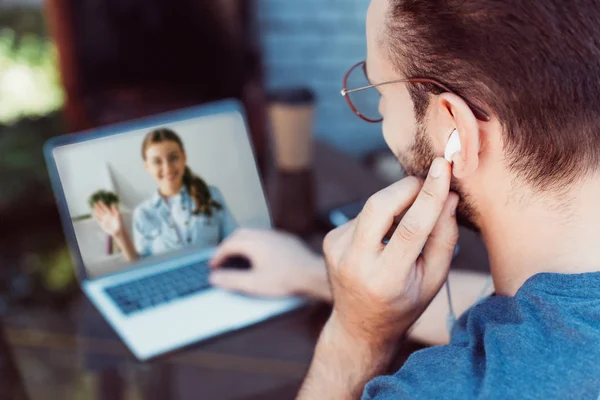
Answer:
(454, 113)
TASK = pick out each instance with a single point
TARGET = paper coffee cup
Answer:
(291, 115)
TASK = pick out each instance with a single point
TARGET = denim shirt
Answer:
(154, 230)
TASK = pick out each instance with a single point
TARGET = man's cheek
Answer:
(392, 132)
(387, 135)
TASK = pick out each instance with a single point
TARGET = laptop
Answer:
(161, 300)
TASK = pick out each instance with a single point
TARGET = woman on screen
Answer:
(184, 211)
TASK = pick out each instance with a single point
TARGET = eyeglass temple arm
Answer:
(479, 113)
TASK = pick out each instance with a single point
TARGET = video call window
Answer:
(158, 190)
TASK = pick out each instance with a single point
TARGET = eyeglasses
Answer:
(368, 100)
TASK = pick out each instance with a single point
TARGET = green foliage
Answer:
(23, 171)
(30, 96)
(58, 273)
(29, 76)
(104, 196)
(24, 20)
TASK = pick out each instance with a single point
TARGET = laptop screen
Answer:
(158, 188)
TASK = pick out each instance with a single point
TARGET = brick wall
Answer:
(313, 43)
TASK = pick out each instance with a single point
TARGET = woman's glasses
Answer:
(365, 103)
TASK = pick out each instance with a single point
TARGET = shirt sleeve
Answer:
(441, 372)
(140, 237)
(228, 223)
(444, 372)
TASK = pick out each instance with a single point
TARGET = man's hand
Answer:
(282, 265)
(380, 290)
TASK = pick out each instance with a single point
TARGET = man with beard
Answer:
(519, 82)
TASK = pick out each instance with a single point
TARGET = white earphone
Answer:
(453, 146)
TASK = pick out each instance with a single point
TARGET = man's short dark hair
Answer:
(534, 64)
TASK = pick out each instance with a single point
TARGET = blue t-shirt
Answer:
(543, 343)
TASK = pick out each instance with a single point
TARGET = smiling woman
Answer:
(183, 211)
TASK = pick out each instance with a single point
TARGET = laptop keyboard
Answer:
(153, 290)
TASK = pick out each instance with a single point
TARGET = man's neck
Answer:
(537, 234)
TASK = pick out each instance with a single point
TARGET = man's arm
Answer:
(312, 282)
(379, 291)
(342, 365)
(282, 265)
(465, 287)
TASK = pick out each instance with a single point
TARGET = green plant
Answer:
(29, 76)
(23, 171)
(58, 273)
(107, 197)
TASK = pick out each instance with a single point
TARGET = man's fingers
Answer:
(439, 249)
(415, 227)
(337, 242)
(239, 243)
(378, 214)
